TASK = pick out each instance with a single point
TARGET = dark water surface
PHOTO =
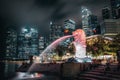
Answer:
(8, 72)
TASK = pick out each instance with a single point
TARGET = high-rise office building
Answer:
(41, 43)
(69, 26)
(56, 31)
(28, 42)
(93, 24)
(106, 13)
(118, 11)
(11, 44)
(112, 27)
(85, 25)
(114, 8)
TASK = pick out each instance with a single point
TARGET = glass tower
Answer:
(11, 44)
(27, 42)
(115, 5)
(93, 23)
(56, 31)
(69, 27)
(85, 25)
(106, 13)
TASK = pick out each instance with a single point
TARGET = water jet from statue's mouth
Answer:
(79, 43)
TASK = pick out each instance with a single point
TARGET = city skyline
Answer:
(41, 12)
(59, 39)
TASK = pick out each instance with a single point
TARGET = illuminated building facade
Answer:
(56, 32)
(112, 27)
(106, 13)
(93, 24)
(85, 24)
(115, 5)
(112, 24)
(119, 12)
(69, 27)
(27, 42)
(11, 44)
(42, 43)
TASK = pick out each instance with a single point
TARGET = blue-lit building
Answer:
(28, 42)
(85, 24)
(41, 43)
(69, 27)
(11, 44)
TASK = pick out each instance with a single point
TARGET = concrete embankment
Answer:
(63, 69)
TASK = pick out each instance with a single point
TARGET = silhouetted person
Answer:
(107, 67)
(31, 59)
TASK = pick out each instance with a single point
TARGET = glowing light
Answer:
(32, 29)
(66, 31)
(24, 30)
(51, 23)
(25, 76)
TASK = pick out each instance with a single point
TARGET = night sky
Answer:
(18, 13)
(22, 12)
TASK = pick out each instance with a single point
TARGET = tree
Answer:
(115, 44)
(117, 40)
(60, 50)
(98, 45)
(71, 49)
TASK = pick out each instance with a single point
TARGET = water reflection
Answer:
(34, 76)
(7, 69)
(23, 75)
(8, 72)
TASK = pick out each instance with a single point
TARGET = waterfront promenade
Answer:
(96, 72)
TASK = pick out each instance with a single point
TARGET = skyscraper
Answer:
(69, 26)
(85, 25)
(112, 27)
(27, 42)
(118, 11)
(93, 24)
(106, 13)
(11, 44)
(41, 43)
(56, 31)
(114, 8)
